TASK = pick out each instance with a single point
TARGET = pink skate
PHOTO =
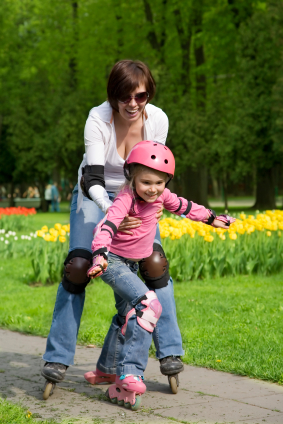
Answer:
(127, 391)
(99, 377)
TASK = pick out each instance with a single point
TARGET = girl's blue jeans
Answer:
(62, 338)
(121, 275)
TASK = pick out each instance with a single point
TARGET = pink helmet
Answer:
(152, 154)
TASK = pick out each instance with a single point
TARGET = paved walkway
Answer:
(204, 396)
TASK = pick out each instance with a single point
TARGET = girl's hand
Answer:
(98, 267)
(128, 223)
(220, 223)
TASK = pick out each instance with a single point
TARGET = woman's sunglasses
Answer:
(139, 98)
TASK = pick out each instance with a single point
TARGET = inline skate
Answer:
(127, 391)
(54, 373)
(99, 377)
(172, 366)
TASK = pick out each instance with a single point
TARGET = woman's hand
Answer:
(129, 223)
(159, 213)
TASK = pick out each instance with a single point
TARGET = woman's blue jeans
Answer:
(62, 338)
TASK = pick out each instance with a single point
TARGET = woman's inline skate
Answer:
(172, 366)
(54, 373)
(127, 391)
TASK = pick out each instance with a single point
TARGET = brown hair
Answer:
(125, 77)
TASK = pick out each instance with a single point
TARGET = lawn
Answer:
(231, 323)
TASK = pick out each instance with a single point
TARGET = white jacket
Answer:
(100, 148)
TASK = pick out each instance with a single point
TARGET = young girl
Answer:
(148, 169)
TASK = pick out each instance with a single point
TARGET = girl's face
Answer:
(150, 185)
(132, 111)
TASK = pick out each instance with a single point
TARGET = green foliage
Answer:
(248, 254)
(16, 223)
(47, 259)
(11, 414)
(218, 66)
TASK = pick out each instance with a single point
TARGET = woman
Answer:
(111, 130)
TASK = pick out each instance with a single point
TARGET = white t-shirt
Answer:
(101, 148)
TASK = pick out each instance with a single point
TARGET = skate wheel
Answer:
(48, 390)
(174, 383)
(137, 404)
(120, 402)
(113, 400)
(127, 405)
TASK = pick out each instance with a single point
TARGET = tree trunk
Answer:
(265, 191)
(11, 194)
(194, 185)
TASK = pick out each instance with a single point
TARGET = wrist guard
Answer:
(97, 262)
(212, 216)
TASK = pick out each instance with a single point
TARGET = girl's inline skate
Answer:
(127, 391)
(99, 377)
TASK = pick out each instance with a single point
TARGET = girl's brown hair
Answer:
(125, 77)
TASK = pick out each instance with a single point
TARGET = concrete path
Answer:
(204, 396)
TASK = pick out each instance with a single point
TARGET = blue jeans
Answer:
(62, 338)
(128, 288)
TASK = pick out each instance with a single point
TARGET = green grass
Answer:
(17, 414)
(11, 413)
(29, 309)
(49, 219)
(235, 320)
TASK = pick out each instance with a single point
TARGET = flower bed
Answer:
(16, 219)
(252, 245)
(20, 210)
(47, 259)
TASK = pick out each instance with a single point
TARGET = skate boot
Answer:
(171, 366)
(54, 373)
(127, 391)
(99, 377)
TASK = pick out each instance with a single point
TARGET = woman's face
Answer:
(132, 111)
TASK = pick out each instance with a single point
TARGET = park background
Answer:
(219, 72)
(218, 67)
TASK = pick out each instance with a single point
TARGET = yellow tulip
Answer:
(62, 239)
(268, 233)
(57, 226)
(208, 238)
(44, 229)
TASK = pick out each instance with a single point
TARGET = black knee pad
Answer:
(76, 264)
(155, 269)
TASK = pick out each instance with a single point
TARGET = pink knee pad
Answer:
(148, 317)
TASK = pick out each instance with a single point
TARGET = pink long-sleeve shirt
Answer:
(140, 244)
